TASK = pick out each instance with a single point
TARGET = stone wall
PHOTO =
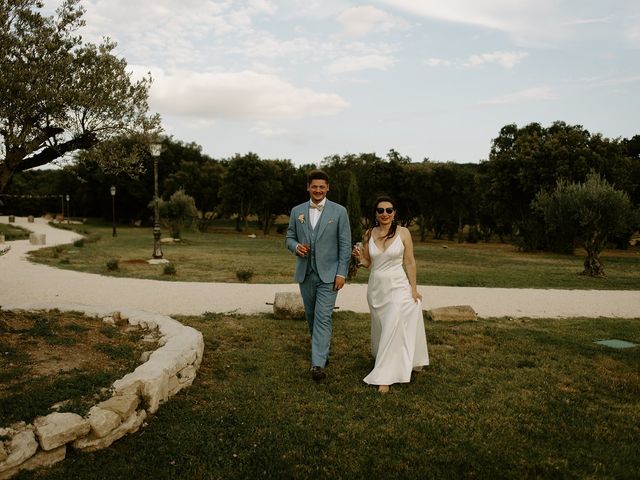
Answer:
(138, 394)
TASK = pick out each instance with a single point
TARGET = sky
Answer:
(436, 79)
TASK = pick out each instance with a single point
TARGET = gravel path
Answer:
(27, 285)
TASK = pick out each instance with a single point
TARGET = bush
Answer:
(112, 264)
(178, 213)
(474, 235)
(169, 269)
(244, 274)
(79, 243)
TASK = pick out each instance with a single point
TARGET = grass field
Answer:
(218, 256)
(12, 232)
(501, 399)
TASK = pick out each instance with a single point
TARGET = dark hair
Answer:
(317, 175)
(394, 225)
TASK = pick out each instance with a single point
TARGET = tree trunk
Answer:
(592, 265)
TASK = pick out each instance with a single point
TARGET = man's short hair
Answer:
(317, 175)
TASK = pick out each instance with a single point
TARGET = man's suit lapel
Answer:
(327, 212)
(307, 222)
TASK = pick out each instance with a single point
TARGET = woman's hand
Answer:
(417, 296)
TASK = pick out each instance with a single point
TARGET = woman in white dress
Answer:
(398, 340)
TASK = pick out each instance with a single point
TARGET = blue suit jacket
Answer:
(333, 240)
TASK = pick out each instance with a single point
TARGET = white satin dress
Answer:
(398, 340)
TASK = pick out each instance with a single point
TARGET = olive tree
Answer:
(58, 94)
(591, 212)
(178, 213)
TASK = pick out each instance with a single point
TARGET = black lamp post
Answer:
(112, 190)
(68, 210)
(155, 149)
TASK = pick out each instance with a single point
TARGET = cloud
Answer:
(528, 22)
(523, 96)
(243, 95)
(266, 129)
(438, 62)
(355, 63)
(609, 81)
(360, 21)
(507, 60)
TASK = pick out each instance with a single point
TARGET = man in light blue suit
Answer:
(320, 235)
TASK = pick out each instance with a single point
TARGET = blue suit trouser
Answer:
(319, 298)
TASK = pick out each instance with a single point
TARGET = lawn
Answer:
(501, 399)
(11, 232)
(220, 255)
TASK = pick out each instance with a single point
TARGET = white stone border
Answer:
(169, 369)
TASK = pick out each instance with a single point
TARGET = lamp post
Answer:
(112, 190)
(155, 149)
(68, 211)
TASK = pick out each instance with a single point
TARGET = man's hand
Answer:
(303, 249)
(338, 283)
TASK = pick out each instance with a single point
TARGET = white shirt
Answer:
(314, 213)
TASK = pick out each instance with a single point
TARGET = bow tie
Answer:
(318, 207)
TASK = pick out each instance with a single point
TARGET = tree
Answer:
(58, 94)
(241, 191)
(178, 213)
(198, 175)
(525, 160)
(355, 219)
(592, 211)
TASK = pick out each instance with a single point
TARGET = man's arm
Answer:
(344, 243)
(291, 240)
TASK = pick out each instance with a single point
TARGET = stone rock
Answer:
(103, 421)
(144, 357)
(39, 460)
(288, 305)
(150, 338)
(30, 219)
(123, 405)
(22, 446)
(3, 453)
(174, 386)
(187, 375)
(457, 313)
(56, 429)
(37, 239)
(1, 238)
(109, 321)
(91, 443)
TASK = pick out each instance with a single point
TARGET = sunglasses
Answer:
(389, 210)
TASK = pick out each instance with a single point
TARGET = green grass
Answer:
(12, 232)
(220, 256)
(26, 393)
(501, 399)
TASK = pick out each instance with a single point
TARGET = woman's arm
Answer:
(410, 262)
(363, 255)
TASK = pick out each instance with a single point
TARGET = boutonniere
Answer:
(301, 218)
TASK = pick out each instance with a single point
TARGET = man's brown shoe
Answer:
(317, 373)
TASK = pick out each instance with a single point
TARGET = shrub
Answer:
(79, 243)
(244, 274)
(112, 264)
(169, 269)
(178, 213)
